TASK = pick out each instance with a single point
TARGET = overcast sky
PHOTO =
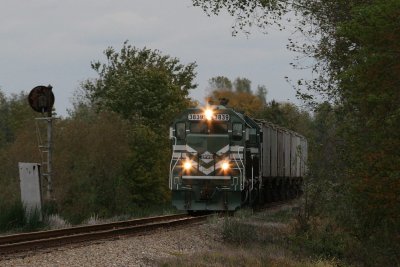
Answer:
(53, 42)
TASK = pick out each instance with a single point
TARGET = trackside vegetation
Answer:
(352, 47)
(111, 154)
(263, 238)
(13, 217)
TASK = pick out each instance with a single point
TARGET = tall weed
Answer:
(14, 217)
(236, 231)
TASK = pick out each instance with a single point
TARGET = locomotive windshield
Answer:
(205, 128)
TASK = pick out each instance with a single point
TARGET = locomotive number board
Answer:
(200, 117)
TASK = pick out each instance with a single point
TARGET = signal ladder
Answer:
(45, 149)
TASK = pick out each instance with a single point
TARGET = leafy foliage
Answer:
(221, 83)
(260, 13)
(353, 47)
(240, 95)
(147, 89)
(370, 90)
(242, 85)
(14, 114)
(111, 155)
(255, 105)
(88, 161)
(287, 115)
(141, 84)
(13, 216)
(262, 93)
(16, 136)
(241, 101)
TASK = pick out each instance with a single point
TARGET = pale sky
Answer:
(53, 42)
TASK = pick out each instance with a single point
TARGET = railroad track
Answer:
(17, 243)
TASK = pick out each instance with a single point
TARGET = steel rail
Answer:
(44, 239)
(83, 229)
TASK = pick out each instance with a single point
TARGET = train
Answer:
(223, 160)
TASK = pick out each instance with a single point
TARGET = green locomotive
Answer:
(223, 160)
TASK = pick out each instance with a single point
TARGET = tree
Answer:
(18, 142)
(4, 124)
(89, 157)
(262, 93)
(287, 115)
(147, 89)
(242, 85)
(369, 87)
(242, 99)
(355, 49)
(14, 114)
(141, 84)
(221, 83)
(317, 23)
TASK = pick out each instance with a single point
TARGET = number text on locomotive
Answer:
(216, 117)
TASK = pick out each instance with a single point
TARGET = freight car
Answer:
(223, 160)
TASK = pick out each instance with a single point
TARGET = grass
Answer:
(14, 217)
(11, 216)
(283, 216)
(155, 210)
(253, 239)
(236, 231)
(55, 221)
(255, 256)
(138, 212)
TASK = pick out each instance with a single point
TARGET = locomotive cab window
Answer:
(218, 128)
(198, 127)
(212, 128)
(180, 130)
(237, 131)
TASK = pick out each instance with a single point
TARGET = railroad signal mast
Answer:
(41, 99)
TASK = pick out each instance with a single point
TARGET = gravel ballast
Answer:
(144, 250)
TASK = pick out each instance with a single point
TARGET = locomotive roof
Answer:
(246, 119)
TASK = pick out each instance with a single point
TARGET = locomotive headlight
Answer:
(208, 113)
(225, 166)
(187, 165)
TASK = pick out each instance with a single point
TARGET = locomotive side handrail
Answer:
(170, 165)
(240, 168)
